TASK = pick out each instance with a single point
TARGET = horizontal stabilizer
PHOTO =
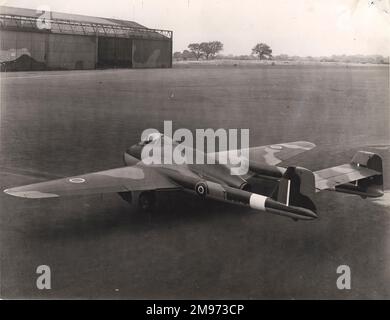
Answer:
(363, 176)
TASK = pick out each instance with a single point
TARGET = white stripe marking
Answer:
(288, 192)
(257, 201)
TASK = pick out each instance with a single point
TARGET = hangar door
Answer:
(114, 52)
(152, 53)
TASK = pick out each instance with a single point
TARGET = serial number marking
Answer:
(210, 309)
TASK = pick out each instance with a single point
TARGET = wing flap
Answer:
(124, 179)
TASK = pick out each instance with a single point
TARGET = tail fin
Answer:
(296, 188)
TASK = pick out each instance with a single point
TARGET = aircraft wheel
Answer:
(147, 201)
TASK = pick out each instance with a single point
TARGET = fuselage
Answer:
(212, 180)
(214, 171)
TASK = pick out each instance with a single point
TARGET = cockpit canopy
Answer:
(153, 137)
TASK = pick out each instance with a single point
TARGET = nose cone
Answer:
(132, 155)
(135, 151)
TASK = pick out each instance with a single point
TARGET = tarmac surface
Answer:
(57, 124)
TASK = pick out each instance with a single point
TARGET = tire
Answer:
(147, 201)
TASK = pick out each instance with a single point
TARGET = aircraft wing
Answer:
(135, 178)
(271, 154)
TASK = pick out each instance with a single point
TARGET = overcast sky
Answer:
(299, 27)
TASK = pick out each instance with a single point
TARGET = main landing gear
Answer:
(145, 201)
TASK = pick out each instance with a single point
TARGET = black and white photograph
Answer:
(195, 150)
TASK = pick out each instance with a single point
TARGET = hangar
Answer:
(33, 40)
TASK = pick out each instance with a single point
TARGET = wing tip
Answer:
(307, 144)
(9, 192)
(31, 194)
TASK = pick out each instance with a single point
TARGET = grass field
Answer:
(56, 124)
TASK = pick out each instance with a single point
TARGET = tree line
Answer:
(209, 50)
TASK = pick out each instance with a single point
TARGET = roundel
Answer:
(201, 189)
(76, 180)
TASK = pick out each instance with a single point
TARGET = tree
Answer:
(196, 50)
(210, 49)
(187, 55)
(263, 50)
(177, 55)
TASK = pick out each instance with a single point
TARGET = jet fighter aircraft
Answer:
(291, 195)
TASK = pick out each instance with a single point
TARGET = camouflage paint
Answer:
(22, 51)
